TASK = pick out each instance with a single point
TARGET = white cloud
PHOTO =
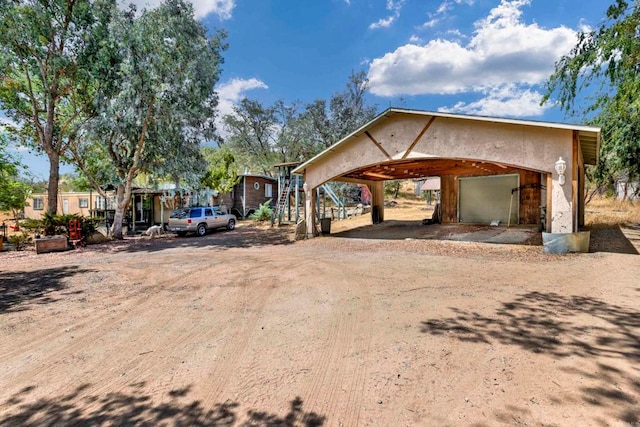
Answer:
(233, 91)
(394, 7)
(441, 13)
(230, 93)
(444, 7)
(383, 22)
(431, 23)
(503, 50)
(201, 8)
(506, 100)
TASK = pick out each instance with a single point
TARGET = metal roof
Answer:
(588, 136)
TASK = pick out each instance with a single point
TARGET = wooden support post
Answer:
(297, 198)
(377, 201)
(549, 204)
(310, 214)
(574, 182)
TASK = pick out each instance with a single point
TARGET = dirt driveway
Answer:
(248, 328)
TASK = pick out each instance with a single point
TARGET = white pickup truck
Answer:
(199, 220)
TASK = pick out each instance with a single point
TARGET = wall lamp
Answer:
(561, 167)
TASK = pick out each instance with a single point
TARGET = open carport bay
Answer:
(250, 328)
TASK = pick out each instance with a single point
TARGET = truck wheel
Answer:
(202, 230)
(231, 224)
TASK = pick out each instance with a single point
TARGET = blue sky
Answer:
(486, 57)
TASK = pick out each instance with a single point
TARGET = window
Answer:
(208, 212)
(195, 213)
(83, 203)
(38, 204)
(100, 202)
(256, 185)
(268, 190)
(180, 213)
(111, 202)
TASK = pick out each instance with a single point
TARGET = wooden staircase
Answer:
(283, 201)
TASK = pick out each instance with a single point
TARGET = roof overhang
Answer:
(588, 136)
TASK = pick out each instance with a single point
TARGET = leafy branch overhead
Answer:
(600, 79)
(47, 56)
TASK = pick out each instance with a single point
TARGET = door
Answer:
(221, 219)
(65, 206)
(488, 198)
(209, 218)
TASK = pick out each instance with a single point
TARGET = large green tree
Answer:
(157, 106)
(262, 136)
(47, 54)
(600, 81)
(345, 112)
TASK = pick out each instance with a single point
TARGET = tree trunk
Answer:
(54, 178)
(123, 197)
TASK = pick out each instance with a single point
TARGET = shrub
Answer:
(32, 225)
(264, 212)
(20, 240)
(51, 225)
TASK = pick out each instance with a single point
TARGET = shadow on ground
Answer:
(244, 236)
(545, 323)
(80, 408)
(609, 238)
(21, 288)
(402, 230)
(614, 239)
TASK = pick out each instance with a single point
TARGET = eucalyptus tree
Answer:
(600, 80)
(345, 112)
(48, 49)
(159, 102)
(251, 129)
(263, 136)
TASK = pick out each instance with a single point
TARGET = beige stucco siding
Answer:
(72, 200)
(532, 148)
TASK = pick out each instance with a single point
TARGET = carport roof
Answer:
(588, 136)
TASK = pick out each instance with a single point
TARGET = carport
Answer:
(523, 172)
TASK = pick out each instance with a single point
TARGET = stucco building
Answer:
(490, 168)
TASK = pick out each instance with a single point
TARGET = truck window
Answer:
(195, 213)
(179, 213)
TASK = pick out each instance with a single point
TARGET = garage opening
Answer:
(484, 199)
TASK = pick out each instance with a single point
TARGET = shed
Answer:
(251, 191)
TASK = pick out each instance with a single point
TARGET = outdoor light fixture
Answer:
(561, 167)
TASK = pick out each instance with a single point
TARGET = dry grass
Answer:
(603, 212)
